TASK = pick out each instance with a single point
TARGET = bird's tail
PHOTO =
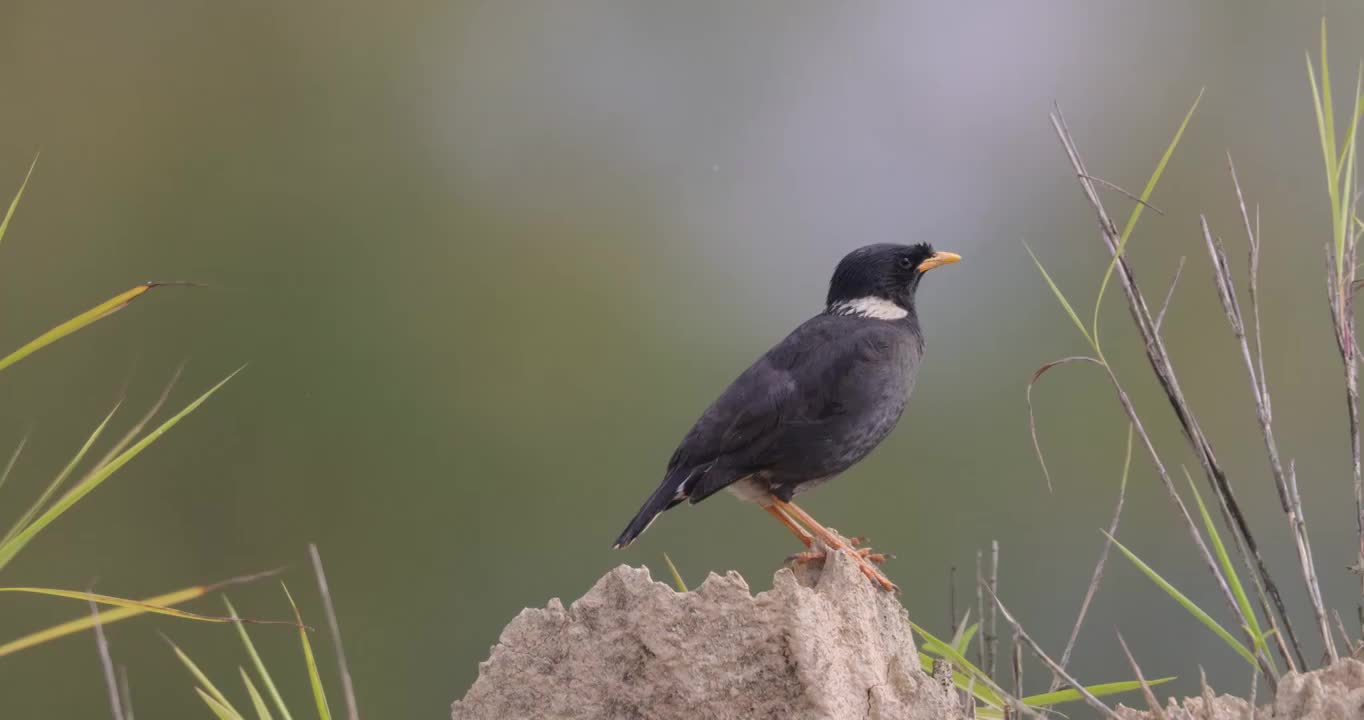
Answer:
(667, 495)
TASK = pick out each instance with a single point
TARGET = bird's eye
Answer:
(905, 262)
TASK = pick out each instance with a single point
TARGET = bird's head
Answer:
(879, 280)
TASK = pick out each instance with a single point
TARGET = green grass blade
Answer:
(259, 664)
(677, 576)
(14, 458)
(1326, 105)
(1229, 569)
(1136, 211)
(14, 204)
(57, 482)
(1060, 296)
(85, 319)
(319, 693)
(1065, 696)
(964, 642)
(1184, 601)
(258, 702)
(221, 711)
(11, 548)
(202, 679)
(937, 647)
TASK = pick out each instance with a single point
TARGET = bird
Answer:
(813, 405)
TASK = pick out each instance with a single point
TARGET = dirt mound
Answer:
(1331, 693)
(823, 645)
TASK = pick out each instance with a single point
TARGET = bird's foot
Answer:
(865, 562)
(810, 556)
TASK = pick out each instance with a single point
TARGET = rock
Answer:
(827, 645)
(1331, 693)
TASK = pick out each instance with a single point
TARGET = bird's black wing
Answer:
(778, 402)
(784, 399)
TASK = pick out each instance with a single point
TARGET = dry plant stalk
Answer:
(1021, 635)
(1156, 712)
(1164, 371)
(1255, 369)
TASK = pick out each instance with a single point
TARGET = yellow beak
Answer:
(940, 258)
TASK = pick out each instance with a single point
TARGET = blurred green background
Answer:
(488, 261)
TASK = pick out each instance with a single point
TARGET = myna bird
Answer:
(813, 405)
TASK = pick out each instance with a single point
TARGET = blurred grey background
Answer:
(488, 261)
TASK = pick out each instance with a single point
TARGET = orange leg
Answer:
(801, 533)
(833, 540)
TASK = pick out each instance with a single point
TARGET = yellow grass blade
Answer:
(257, 702)
(207, 684)
(87, 621)
(106, 617)
(677, 576)
(260, 665)
(139, 605)
(89, 317)
(319, 694)
(56, 483)
(12, 547)
(219, 710)
(14, 204)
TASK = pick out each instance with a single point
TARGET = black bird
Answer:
(813, 405)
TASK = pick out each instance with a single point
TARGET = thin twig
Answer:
(1016, 663)
(1156, 712)
(980, 609)
(1055, 668)
(347, 688)
(1130, 196)
(992, 640)
(1298, 523)
(1163, 369)
(106, 662)
(1259, 386)
(1169, 295)
(1098, 575)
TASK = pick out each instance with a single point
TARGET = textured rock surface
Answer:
(826, 645)
(1333, 693)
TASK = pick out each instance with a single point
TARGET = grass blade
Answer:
(11, 548)
(14, 204)
(219, 710)
(319, 693)
(56, 483)
(1136, 211)
(1229, 570)
(122, 613)
(1060, 296)
(260, 665)
(105, 617)
(1184, 601)
(262, 712)
(89, 317)
(203, 680)
(138, 605)
(1065, 696)
(677, 577)
(964, 642)
(937, 647)
(13, 459)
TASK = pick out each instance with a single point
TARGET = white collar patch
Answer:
(869, 307)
